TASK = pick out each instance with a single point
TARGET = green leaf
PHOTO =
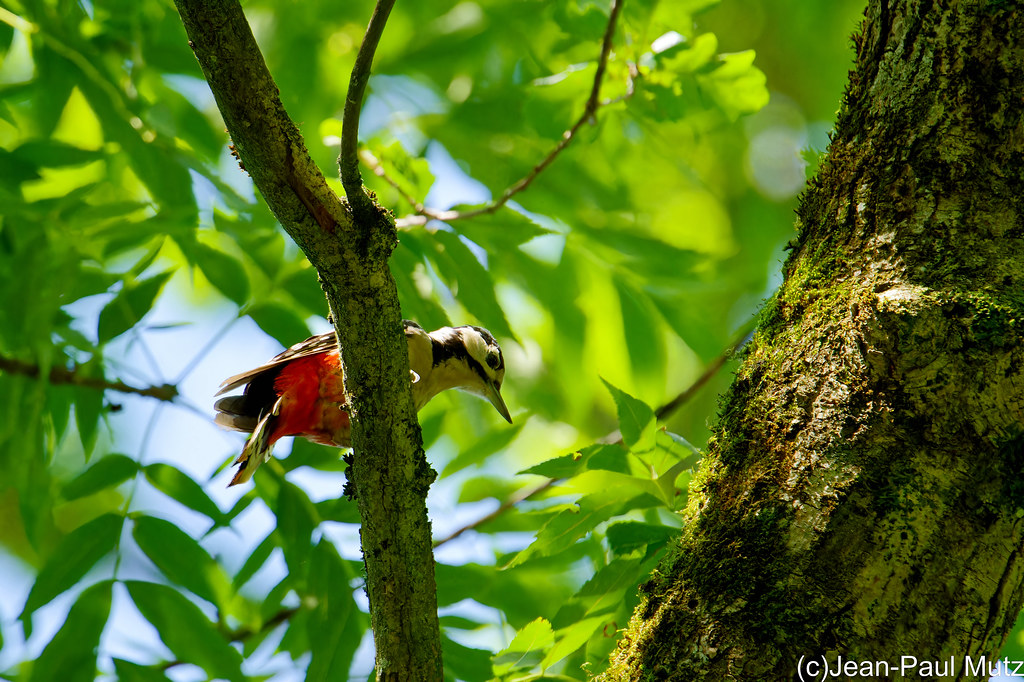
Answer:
(304, 287)
(182, 559)
(320, 457)
(53, 154)
(71, 654)
(336, 624)
(568, 526)
(636, 420)
(70, 561)
(487, 487)
(158, 164)
(404, 262)
(598, 456)
(107, 472)
(224, 272)
(15, 170)
(178, 486)
(186, 630)
(678, 447)
(129, 306)
(133, 672)
(627, 536)
(735, 84)
(261, 241)
(500, 230)
(459, 623)
(295, 640)
(606, 587)
(255, 561)
(296, 519)
(689, 55)
(493, 441)
(464, 663)
(526, 648)
(280, 322)
(604, 594)
(35, 496)
(412, 174)
(571, 638)
(339, 510)
(521, 592)
(120, 237)
(470, 281)
(644, 339)
(696, 322)
(641, 253)
(88, 409)
(240, 506)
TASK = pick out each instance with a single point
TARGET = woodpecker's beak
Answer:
(493, 394)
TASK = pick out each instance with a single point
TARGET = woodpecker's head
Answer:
(469, 358)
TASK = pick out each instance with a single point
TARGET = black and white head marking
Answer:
(469, 358)
(473, 345)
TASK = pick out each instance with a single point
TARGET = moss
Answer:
(1011, 453)
(734, 564)
(995, 317)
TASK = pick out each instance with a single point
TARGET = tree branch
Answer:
(63, 375)
(423, 214)
(512, 501)
(265, 138)
(242, 634)
(348, 159)
(390, 474)
(671, 406)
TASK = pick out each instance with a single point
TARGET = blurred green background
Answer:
(132, 248)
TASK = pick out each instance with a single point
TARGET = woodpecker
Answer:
(301, 392)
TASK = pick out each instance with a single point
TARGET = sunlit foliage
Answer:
(132, 249)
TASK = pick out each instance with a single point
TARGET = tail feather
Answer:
(236, 423)
(258, 448)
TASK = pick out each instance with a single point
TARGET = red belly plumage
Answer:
(312, 394)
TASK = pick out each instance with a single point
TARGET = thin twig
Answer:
(198, 357)
(62, 375)
(512, 501)
(348, 160)
(374, 164)
(712, 369)
(612, 438)
(671, 406)
(243, 634)
(424, 215)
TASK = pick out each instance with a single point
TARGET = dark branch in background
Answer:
(242, 634)
(614, 437)
(62, 375)
(671, 406)
(512, 501)
(424, 215)
(348, 160)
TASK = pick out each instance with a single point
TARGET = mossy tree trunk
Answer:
(863, 498)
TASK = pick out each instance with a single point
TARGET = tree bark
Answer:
(862, 499)
(389, 473)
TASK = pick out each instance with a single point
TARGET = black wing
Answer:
(321, 343)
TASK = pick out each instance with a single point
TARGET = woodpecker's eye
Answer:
(494, 360)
